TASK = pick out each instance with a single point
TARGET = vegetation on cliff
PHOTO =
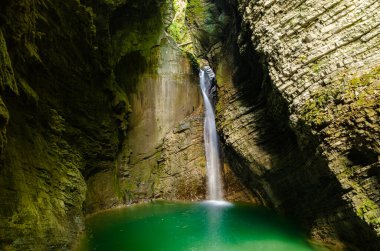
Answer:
(345, 116)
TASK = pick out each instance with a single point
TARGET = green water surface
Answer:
(208, 226)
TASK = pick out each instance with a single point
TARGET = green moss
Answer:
(328, 103)
(7, 78)
(4, 115)
(32, 50)
(195, 12)
(315, 68)
(178, 29)
(193, 61)
(120, 103)
(365, 210)
(302, 58)
(92, 16)
(345, 115)
(116, 180)
(28, 90)
(219, 106)
(49, 145)
(46, 175)
(134, 35)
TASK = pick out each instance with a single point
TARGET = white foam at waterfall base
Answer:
(214, 181)
(218, 203)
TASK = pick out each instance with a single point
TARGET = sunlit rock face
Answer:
(163, 97)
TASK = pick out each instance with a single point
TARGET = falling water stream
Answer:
(214, 181)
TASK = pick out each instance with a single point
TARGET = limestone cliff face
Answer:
(162, 151)
(298, 111)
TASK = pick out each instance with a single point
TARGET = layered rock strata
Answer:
(163, 96)
(305, 135)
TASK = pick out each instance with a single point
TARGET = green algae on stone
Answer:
(129, 33)
(364, 208)
(7, 78)
(61, 206)
(344, 115)
(178, 28)
(196, 11)
(328, 103)
(27, 89)
(4, 118)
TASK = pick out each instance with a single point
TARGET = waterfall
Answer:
(214, 181)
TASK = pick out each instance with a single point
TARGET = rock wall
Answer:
(56, 121)
(165, 95)
(298, 110)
